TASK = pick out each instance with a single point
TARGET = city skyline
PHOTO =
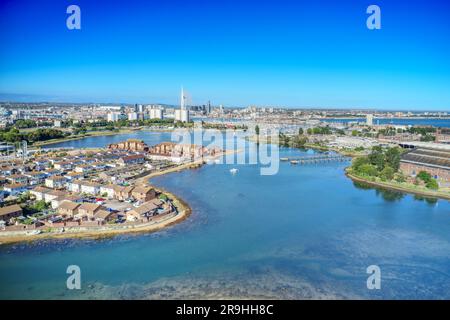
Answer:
(297, 55)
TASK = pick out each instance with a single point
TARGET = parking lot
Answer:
(117, 205)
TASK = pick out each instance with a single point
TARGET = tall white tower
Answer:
(183, 99)
(182, 114)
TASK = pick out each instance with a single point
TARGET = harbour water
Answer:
(306, 232)
(442, 123)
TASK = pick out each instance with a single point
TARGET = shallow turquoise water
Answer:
(306, 232)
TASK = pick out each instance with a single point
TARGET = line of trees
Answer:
(384, 164)
(381, 163)
(14, 135)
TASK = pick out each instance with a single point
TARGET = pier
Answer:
(316, 159)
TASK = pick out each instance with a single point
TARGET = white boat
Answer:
(234, 171)
(34, 232)
(217, 161)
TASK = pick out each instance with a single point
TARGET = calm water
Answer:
(443, 123)
(307, 232)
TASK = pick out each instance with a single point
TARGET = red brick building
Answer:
(435, 162)
(130, 145)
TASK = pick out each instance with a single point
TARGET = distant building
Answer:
(156, 113)
(183, 113)
(178, 152)
(133, 116)
(130, 145)
(443, 136)
(369, 119)
(113, 116)
(110, 108)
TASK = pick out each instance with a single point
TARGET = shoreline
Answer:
(183, 212)
(190, 165)
(74, 138)
(387, 185)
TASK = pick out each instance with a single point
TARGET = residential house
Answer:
(17, 179)
(52, 172)
(53, 194)
(8, 170)
(55, 203)
(147, 209)
(103, 215)
(9, 212)
(56, 182)
(74, 186)
(131, 159)
(68, 208)
(63, 165)
(35, 177)
(99, 166)
(90, 187)
(39, 192)
(107, 190)
(84, 168)
(123, 193)
(71, 176)
(15, 189)
(143, 193)
(41, 164)
(88, 210)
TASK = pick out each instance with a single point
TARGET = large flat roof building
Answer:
(434, 161)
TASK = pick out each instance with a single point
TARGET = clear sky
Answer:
(236, 53)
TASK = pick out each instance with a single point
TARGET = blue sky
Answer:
(235, 53)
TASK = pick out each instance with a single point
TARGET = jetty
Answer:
(317, 159)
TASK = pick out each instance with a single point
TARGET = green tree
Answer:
(376, 157)
(432, 184)
(368, 170)
(387, 173)
(298, 141)
(393, 158)
(358, 162)
(300, 131)
(424, 176)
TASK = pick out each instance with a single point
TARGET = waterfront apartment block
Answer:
(130, 145)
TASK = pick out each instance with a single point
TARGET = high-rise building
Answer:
(183, 113)
(133, 116)
(369, 119)
(113, 116)
(156, 113)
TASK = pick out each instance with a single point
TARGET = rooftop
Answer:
(10, 209)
